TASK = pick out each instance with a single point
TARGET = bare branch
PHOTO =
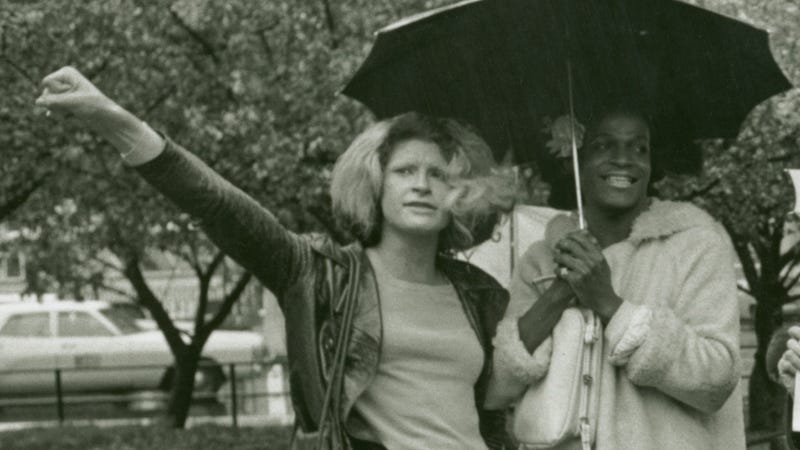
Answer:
(83, 171)
(227, 304)
(212, 76)
(207, 47)
(20, 70)
(745, 290)
(793, 254)
(781, 158)
(761, 250)
(93, 72)
(700, 191)
(262, 36)
(330, 22)
(205, 277)
(745, 258)
(103, 158)
(119, 291)
(793, 281)
(788, 268)
(149, 300)
(214, 264)
(202, 305)
(167, 93)
(776, 237)
(190, 257)
(108, 264)
(19, 198)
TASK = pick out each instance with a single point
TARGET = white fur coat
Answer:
(671, 353)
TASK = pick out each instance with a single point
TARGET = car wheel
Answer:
(209, 377)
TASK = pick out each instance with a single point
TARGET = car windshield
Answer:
(124, 318)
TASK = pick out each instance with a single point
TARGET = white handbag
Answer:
(564, 404)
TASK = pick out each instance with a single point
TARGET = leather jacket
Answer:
(306, 274)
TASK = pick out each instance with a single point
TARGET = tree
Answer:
(745, 187)
(25, 158)
(248, 86)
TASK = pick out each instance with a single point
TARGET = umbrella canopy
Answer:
(500, 65)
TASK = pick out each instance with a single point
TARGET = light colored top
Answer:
(422, 396)
(671, 364)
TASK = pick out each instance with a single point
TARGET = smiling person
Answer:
(660, 276)
(411, 189)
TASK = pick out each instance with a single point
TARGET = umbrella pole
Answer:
(512, 235)
(575, 166)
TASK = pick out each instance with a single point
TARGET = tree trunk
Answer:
(18, 197)
(764, 396)
(180, 398)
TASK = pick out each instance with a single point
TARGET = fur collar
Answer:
(661, 219)
(664, 218)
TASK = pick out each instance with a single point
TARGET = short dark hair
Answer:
(668, 153)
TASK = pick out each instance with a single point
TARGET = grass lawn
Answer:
(200, 437)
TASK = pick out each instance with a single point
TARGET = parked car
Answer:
(103, 348)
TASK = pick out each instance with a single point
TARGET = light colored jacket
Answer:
(671, 353)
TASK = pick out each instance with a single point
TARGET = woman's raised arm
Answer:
(235, 222)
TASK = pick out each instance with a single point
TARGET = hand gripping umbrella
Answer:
(504, 66)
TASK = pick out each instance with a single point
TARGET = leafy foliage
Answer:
(745, 186)
(250, 87)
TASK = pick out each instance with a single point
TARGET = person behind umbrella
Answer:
(411, 189)
(660, 276)
(783, 356)
(783, 363)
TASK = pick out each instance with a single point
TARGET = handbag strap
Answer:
(592, 339)
(331, 409)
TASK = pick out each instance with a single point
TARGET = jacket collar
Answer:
(323, 244)
(663, 218)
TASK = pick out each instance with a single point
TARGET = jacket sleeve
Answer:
(688, 349)
(234, 221)
(514, 367)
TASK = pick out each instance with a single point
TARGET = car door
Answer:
(28, 354)
(84, 343)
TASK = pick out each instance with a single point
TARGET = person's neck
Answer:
(408, 257)
(610, 227)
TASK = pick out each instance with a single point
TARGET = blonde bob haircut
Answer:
(480, 190)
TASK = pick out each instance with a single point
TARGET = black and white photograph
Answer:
(400, 224)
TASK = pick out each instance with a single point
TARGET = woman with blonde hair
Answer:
(411, 189)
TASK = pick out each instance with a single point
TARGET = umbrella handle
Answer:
(577, 177)
(575, 166)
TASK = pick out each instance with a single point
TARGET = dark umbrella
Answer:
(501, 66)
